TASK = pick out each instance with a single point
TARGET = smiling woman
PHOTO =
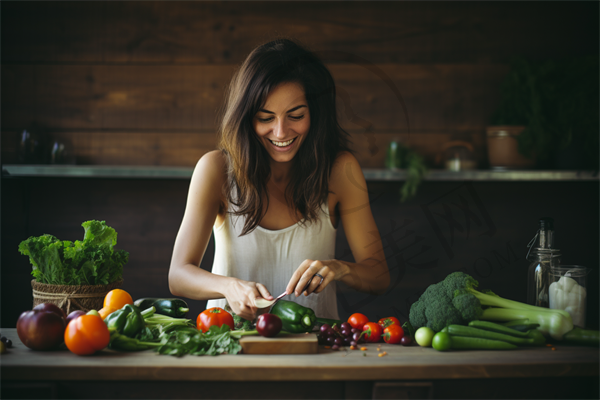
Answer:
(275, 193)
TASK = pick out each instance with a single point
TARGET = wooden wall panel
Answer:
(224, 32)
(447, 97)
(115, 97)
(141, 83)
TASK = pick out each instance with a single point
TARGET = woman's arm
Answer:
(369, 273)
(186, 279)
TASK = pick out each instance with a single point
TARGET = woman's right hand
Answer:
(241, 296)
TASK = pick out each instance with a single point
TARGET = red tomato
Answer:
(373, 332)
(393, 334)
(385, 322)
(213, 316)
(358, 320)
(86, 335)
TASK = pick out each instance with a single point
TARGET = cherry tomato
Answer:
(373, 332)
(385, 322)
(393, 334)
(358, 320)
(213, 316)
(86, 335)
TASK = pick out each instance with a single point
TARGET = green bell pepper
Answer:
(296, 318)
(127, 321)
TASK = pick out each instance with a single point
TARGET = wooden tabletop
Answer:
(406, 363)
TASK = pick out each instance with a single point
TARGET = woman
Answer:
(282, 165)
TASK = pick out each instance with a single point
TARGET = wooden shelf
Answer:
(160, 172)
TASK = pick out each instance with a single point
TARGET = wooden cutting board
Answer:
(285, 344)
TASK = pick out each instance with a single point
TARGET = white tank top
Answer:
(271, 257)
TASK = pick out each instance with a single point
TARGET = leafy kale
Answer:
(93, 261)
(240, 323)
(217, 340)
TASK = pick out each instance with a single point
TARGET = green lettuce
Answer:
(93, 261)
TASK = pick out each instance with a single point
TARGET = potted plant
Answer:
(399, 156)
(553, 109)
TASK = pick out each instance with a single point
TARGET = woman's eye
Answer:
(264, 119)
(297, 117)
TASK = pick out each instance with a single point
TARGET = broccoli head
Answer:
(458, 281)
(437, 308)
(440, 314)
(467, 305)
(417, 316)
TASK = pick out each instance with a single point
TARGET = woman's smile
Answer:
(283, 146)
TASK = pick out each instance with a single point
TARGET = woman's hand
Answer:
(330, 270)
(241, 296)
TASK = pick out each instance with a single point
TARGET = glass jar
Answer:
(543, 257)
(537, 276)
(459, 156)
(567, 291)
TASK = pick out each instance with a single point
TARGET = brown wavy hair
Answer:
(266, 67)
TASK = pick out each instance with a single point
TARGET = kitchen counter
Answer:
(424, 372)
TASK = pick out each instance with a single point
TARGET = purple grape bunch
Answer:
(338, 336)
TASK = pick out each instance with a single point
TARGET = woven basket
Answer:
(72, 297)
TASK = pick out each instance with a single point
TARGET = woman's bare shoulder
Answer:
(212, 165)
(345, 167)
(210, 172)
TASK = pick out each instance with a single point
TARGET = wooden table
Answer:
(405, 372)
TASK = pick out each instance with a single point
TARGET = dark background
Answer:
(141, 83)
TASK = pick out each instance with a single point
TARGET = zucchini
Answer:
(176, 308)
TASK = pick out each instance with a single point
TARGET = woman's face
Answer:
(283, 122)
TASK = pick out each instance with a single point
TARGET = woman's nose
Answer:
(279, 129)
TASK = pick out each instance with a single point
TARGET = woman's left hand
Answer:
(330, 270)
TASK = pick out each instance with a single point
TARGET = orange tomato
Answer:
(113, 301)
(358, 320)
(86, 335)
(117, 298)
(213, 316)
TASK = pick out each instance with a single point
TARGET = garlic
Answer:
(566, 294)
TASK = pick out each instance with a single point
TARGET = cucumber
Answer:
(176, 308)
(467, 331)
(474, 343)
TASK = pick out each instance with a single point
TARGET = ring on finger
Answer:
(320, 276)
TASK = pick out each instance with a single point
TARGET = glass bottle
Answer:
(542, 256)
